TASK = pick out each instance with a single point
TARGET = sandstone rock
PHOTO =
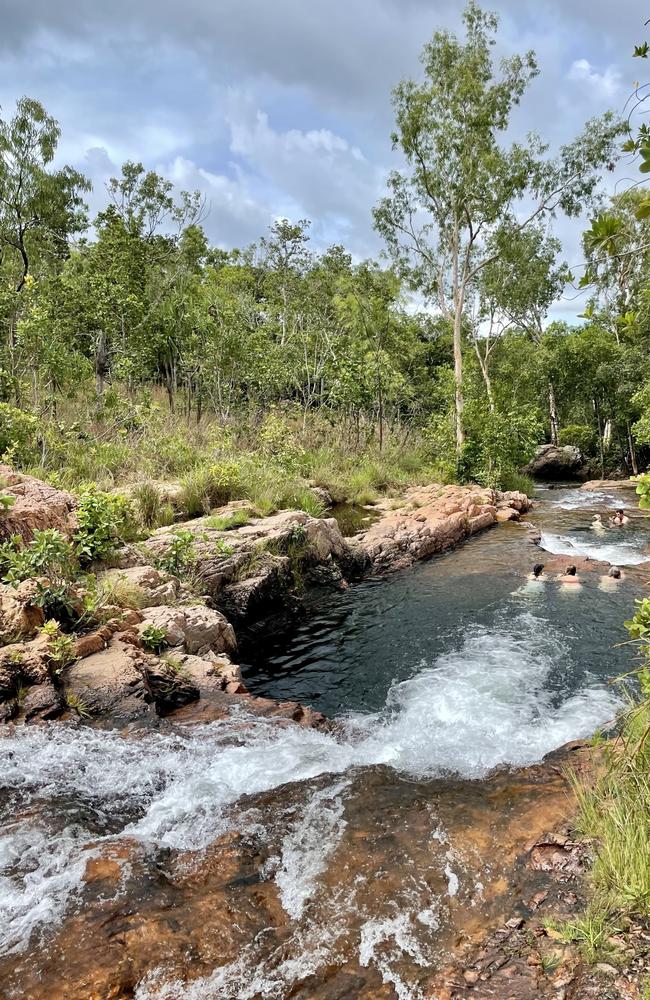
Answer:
(197, 628)
(20, 617)
(21, 665)
(507, 514)
(170, 684)
(43, 702)
(151, 586)
(260, 594)
(556, 462)
(214, 674)
(38, 506)
(110, 682)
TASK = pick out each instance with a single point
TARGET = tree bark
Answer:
(553, 414)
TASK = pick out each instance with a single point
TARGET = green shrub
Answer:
(7, 500)
(305, 499)
(518, 482)
(208, 486)
(104, 521)
(180, 555)
(18, 435)
(580, 436)
(237, 519)
(49, 554)
(153, 638)
(149, 504)
(60, 647)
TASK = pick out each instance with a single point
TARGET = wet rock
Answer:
(110, 683)
(43, 702)
(37, 506)
(258, 595)
(556, 462)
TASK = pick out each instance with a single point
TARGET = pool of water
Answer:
(466, 613)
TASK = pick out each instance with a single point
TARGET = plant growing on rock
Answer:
(104, 520)
(78, 705)
(180, 555)
(7, 500)
(153, 638)
(49, 554)
(60, 647)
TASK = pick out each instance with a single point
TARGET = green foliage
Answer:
(49, 554)
(153, 638)
(205, 487)
(581, 436)
(519, 482)
(60, 647)
(7, 500)
(643, 491)
(103, 521)
(179, 556)
(18, 435)
(226, 522)
(149, 505)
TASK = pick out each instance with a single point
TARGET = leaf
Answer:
(645, 167)
(643, 210)
(641, 51)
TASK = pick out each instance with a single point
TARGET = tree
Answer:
(462, 184)
(40, 208)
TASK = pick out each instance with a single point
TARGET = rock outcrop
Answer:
(435, 518)
(197, 629)
(553, 462)
(37, 506)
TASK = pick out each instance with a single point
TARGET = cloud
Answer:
(605, 86)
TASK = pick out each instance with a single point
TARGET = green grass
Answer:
(519, 482)
(226, 522)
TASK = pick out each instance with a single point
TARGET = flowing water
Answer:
(354, 851)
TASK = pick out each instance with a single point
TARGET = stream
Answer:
(253, 858)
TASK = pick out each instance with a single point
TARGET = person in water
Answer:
(597, 523)
(610, 580)
(537, 572)
(620, 517)
(570, 577)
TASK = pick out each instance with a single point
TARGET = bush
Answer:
(227, 522)
(18, 435)
(210, 486)
(580, 436)
(519, 482)
(104, 521)
(180, 555)
(153, 638)
(49, 554)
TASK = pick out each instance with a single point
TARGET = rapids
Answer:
(436, 675)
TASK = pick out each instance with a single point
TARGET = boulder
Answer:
(170, 684)
(151, 587)
(197, 629)
(20, 616)
(110, 682)
(556, 462)
(43, 702)
(37, 506)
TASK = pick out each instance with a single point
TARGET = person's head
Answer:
(570, 571)
(538, 569)
(597, 517)
(614, 572)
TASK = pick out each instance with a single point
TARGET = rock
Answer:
(210, 674)
(38, 506)
(196, 628)
(322, 494)
(151, 586)
(170, 683)
(257, 596)
(20, 617)
(507, 514)
(43, 702)
(556, 462)
(21, 665)
(111, 682)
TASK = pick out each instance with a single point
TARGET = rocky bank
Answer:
(240, 578)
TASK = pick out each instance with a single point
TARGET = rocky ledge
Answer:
(167, 636)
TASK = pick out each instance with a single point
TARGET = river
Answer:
(252, 858)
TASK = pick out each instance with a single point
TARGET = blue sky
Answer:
(282, 107)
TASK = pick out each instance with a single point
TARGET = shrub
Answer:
(149, 504)
(49, 554)
(7, 500)
(180, 555)
(153, 638)
(519, 482)
(60, 647)
(227, 522)
(104, 519)
(18, 435)
(305, 499)
(581, 436)
(208, 486)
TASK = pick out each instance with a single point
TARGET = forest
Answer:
(130, 346)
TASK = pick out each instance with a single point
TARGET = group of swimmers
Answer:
(570, 576)
(620, 517)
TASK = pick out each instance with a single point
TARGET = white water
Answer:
(607, 547)
(484, 704)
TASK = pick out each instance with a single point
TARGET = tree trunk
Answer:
(632, 450)
(600, 439)
(485, 372)
(553, 414)
(458, 373)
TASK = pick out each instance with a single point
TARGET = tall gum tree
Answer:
(462, 182)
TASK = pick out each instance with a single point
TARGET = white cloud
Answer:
(603, 86)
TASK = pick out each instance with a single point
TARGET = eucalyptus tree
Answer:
(41, 208)
(462, 181)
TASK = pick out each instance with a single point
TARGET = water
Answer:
(452, 668)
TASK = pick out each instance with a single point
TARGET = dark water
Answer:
(354, 646)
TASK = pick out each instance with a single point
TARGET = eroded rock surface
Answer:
(553, 461)
(37, 506)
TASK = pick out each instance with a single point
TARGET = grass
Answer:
(519, 482)
(226, 522)
(121, 592)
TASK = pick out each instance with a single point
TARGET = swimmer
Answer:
(537, 572)
(597, 523)
(620, 517)
(610, 580)
(570, 577)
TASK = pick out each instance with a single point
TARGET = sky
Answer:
(281, 108)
